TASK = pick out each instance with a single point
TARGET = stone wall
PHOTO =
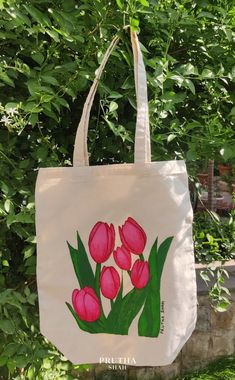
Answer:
(213, 337)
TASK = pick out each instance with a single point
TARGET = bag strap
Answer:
(142, 133)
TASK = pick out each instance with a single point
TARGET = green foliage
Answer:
(49, 53)
(214, 239)
(221, 369)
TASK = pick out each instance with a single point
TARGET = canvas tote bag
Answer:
(115, 262)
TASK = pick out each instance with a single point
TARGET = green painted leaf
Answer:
(122, 315)
(150, 319)
(81, 264)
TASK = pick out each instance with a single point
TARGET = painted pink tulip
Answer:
(140, 274)
(122, 258)
(109, 282)
(133, 236)
(101, 241)
(86, 304)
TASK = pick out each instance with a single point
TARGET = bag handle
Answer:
(142, 134)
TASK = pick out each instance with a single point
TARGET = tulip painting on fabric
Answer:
(126, 247)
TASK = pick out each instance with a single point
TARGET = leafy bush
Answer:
(214, 237)
(49, 53)
(223, 368)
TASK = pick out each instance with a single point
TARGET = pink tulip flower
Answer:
(122, 258)
(86, 304)
(101, 241)
(133, 236)
(109, 282)
(140, 274)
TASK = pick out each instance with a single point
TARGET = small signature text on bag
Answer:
(162, 317)
(119, 363)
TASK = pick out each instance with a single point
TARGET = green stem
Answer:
(97, 279)
(97, 289)
(111, 303)
(141, 257)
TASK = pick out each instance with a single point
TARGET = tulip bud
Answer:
(101, 241)
(133, 236)
(109, 282)
(140, 274)
(122, 258)
(86, 304)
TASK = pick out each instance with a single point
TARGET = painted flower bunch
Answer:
(86, 302)
(107, 281)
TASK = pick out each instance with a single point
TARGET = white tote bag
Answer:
(115, 262)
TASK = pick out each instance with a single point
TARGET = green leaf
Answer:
(32, 107)
(122, 315)
(37, 15)
(28, 251)
(33, 119)
(222, 306)
(81, 264)
(46, 98)
(7, 326)
(232, 112)
(206, 73)
(38, 57)
(50, 113)
(50, 79)
(119, 4)
(3, 360)
(145, 3)
(42, 153)
(206, 15)
(62, 102)
(171, 137)
(134, 22)
(8, 205)
(189, 69)
(6, 79)
(150, 319)
(53, 35)
(33, 86)
(9, 106)
(21, 361)
(188, 83)
(22, 217)
(113, 106)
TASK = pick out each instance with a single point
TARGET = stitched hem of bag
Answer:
(166, 168)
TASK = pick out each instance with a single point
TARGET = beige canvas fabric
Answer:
(156, 310)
